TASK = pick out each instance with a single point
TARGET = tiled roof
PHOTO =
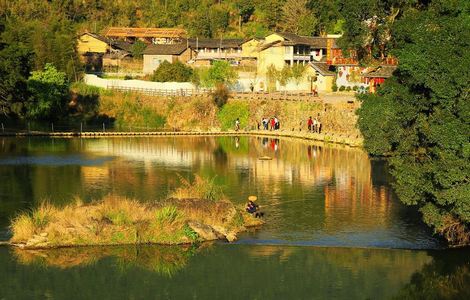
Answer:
(312, 41)
(381, 72)
(215, 43)
(145, 32)
(166, 49)
(322, 68)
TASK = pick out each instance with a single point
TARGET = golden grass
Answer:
(200, 188)
(117, 220)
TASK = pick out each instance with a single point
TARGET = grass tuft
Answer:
(200, 188)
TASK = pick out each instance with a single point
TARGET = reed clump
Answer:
(117, 220)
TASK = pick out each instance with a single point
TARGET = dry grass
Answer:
(200, 188)
(117, 220)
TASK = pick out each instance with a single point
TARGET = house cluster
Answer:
(325, 64)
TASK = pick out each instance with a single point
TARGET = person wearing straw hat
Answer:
(253, 208)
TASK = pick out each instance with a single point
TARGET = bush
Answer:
(50, 92)
(220, 95)
(342, 88)
(334, 87)
(348, 89)
(172, 72)
(355, 88)
(230, 112)
(219, 73)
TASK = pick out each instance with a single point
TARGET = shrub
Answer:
(348, 89)
(342, 88)
(172, 72)
(355, 88)
(334, 87)
(230, 112)
(219, 73)
(220, 95)
(50, 92)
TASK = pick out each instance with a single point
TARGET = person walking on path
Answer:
(237, 124)
(315, 124)
(273, 123)
(309, 123)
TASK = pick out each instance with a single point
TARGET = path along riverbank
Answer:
(329, 137)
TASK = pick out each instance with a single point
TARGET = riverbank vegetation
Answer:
(181, 219)
(420, 117)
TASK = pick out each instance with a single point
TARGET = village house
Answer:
(286, 49)
(376, 76)
(97, 51)
(154, 55)
(208, 50)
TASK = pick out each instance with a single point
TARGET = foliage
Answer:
(231, 111)
(334, 87)
(172, 72)
(137, 49)
(298, 18)
(297, 71)
(49, 91)
(219, 73)
(342, 88)
(368, 25)
(284, 75)
(220, 95)
(420, 117)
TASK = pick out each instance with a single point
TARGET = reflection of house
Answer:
(208, 50)
(154, 55)
(377, 76)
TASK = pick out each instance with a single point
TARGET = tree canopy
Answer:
(421, 116)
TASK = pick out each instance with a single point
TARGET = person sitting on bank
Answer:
(252, 208)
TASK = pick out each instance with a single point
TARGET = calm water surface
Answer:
(313, 195)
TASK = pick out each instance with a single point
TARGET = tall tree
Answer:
(297, 18)
(421, 116)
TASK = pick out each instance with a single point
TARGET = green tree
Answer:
(220, 72)
(420, 117)
(15, 66)
(368, 25)
(172, 72)
(49, 91)
(297, 72)
(137, 49)
(297, 18)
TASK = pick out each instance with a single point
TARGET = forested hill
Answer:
(204, 18)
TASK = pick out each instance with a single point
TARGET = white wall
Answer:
(108, 83)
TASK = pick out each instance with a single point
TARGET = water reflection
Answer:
(235, 271)
(314, 194)
(164, 260)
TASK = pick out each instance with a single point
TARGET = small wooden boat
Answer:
(265, 158)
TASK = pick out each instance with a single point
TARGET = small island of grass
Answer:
(194, 213)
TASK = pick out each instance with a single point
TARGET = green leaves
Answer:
(172, 72)
(49, 91)
(421, 116)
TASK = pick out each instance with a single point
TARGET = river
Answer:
(334, 228)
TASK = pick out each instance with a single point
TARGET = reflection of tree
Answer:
(164, 260)
(446, 277)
